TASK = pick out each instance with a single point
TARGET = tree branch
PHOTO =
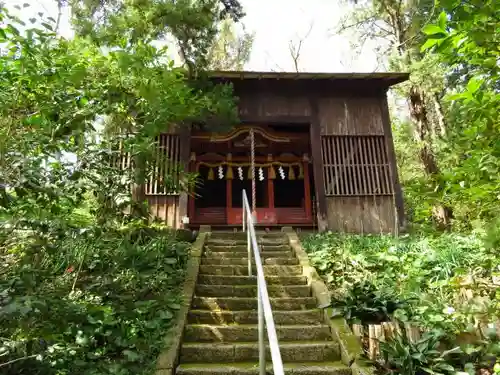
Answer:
(295, 49)
(17, 360)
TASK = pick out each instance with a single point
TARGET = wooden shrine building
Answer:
(324, 156)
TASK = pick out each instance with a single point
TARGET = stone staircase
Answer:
(221, 335)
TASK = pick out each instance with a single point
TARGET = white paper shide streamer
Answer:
(261, 174)
(281, 171)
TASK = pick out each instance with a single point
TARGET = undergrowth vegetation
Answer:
(445, 284)
(89, 302)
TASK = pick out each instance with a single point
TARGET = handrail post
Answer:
(246, 224)
(249, 252)
(243, 216)
(262, 345)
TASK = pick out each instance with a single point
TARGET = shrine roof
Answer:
(386, 79)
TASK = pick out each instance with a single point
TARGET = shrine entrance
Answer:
(282, 176)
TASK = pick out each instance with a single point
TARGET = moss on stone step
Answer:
(296, 351)
(250, 280)
(251, 368)
(232, 255)
(243, 270)
(244, 261)
(217, 247)
(310, 317)
(227, 303)
(250, 332)
(251, 290)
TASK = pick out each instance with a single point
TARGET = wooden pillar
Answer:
(193, 168)
(307, 187)
(398, 191)
(270, 184)
(317, 160)
(229, 192)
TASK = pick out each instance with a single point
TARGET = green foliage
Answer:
(403, 356)
(231, 49)
(88, 284)
(364, 302)
(441, 283)
(464, 39)
(90, 303)
(194, 24)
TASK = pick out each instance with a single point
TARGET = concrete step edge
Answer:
(251, 325)
(206, 261)
(238, 255)
(251, 344)
(311, 317)
(250, 280)
(237, 368)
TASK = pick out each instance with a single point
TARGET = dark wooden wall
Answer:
(172, 149)
(331, 108)
(344, 108)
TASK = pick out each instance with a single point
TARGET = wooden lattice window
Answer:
(355, 165)
(166, 164)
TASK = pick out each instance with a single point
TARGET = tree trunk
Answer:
(138, 189)
(439, 115)
(441, 213)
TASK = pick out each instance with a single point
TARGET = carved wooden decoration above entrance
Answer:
(245, 142)
(266, 134)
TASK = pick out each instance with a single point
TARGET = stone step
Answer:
(244, 261)
(243, 243)
(243, 235)
(243, 248)
(252, 368)
(250, 280)
(250, 332)
(239, 303)
(310, 317)
(241, 270)
(251, 291)
(239, 255)
(249, 351)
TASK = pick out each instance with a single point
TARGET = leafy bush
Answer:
(91, 303)
(403, 356)
(366, 303)
(441, 283)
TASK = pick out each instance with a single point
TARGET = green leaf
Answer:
(442, 19)
(174, 306)
(83, 101)
(474, 84)
(429, 43)
(434, 30)
(170, 260)
(167, 315)
(131, 355)
(457, 96)
(47, 26)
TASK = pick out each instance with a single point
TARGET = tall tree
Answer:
(397, 25)
(466, 37)
(231, 48)
(129, 25)
(193, 23)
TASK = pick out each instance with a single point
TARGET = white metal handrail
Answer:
(265, 313)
